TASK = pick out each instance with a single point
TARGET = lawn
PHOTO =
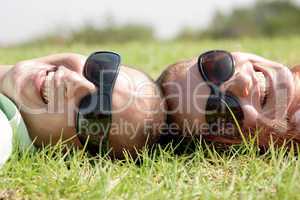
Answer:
(199, 171)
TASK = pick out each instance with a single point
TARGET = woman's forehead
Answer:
(196, 93)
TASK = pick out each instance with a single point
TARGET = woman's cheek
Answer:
(250, 116)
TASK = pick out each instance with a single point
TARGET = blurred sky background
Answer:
(24, 19)
(21, 20)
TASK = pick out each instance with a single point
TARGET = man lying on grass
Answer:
(204, 93)
(95, 102)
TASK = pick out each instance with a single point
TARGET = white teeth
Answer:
(262, 85)
(46, 87)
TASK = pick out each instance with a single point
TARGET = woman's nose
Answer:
(240, 84)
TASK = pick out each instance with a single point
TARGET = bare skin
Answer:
(255, 79)
(48, 90)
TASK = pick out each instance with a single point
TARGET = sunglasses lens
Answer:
(218, 113)
(94, 114)
(101, 67)
(234, 105)
(216, 66)
(93, 120)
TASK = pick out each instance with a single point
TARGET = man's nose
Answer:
(240, 84)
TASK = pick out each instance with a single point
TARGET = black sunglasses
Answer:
(94, 113)
(216, 67)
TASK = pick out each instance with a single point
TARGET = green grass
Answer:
(201, 172)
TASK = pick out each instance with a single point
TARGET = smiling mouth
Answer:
(45, 88)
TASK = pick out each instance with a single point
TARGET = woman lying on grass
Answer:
(98, 103)
(204, 93)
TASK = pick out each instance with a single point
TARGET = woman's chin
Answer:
(284, 90)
